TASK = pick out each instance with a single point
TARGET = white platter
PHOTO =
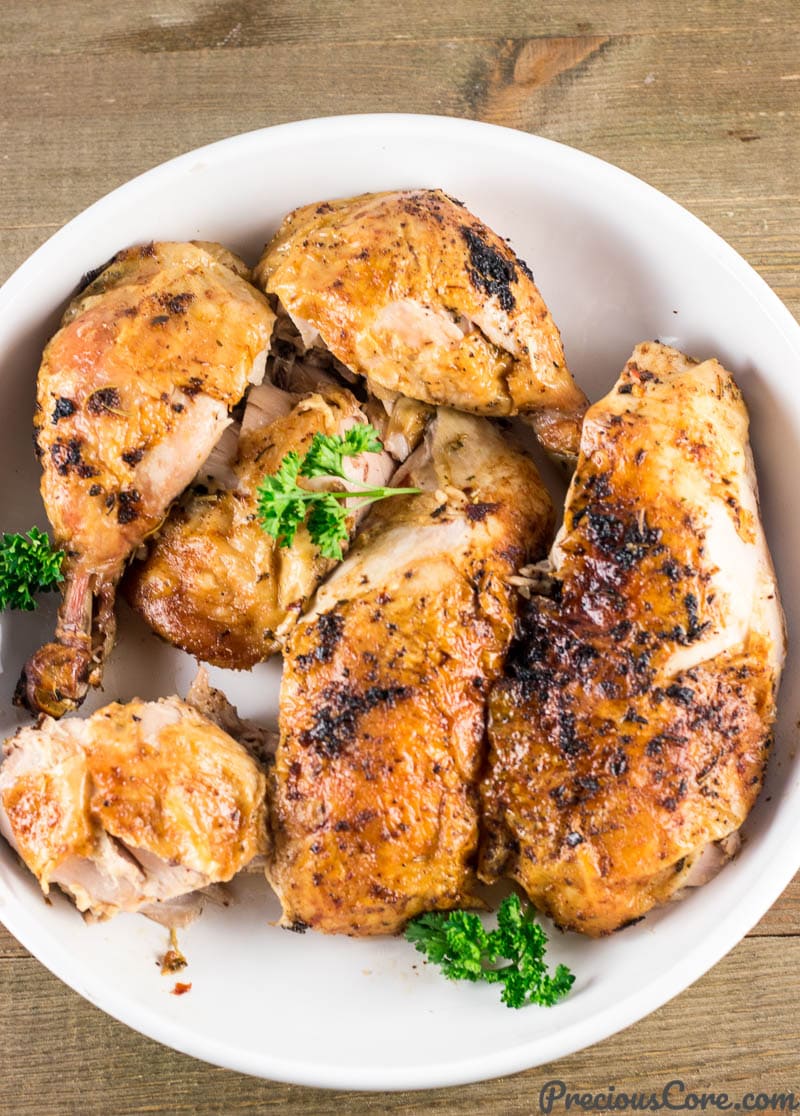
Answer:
(617, 262)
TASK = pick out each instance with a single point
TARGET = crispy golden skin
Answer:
(632, 727)
(374, 804)
(139, 804)
(133, 392)
(215, 583)
(412, 291)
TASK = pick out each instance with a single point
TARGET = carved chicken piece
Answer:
(133, 808)
(413, 292)
(215, 583)
(631, 731)
(133, 392)
(374, 796)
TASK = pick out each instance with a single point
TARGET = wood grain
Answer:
(735, 1030)
(701, 100)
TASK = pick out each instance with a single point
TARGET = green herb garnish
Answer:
(283, 505)
(459, 943)
(28, 565)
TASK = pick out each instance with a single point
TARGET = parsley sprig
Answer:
(459, 943)
(283, 504)
(28, 565)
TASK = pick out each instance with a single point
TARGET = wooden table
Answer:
(701, 99)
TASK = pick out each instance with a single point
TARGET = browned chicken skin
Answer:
(133, 808)
(632, 728)
(374, 804)
(133, 392)
(214, 583)
(413, 292)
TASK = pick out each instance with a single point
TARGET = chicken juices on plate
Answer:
(410, 290)
(134, 808)
(374, 807)
(133, 393)
(631, 730)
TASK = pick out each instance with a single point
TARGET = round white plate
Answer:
(617, 263)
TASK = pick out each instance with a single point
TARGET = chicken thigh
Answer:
(413, 292)
(374, 790)
(134, 807)
(214, 583)
(631, 730)
(133, 392)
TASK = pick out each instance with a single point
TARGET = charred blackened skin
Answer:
(177, 304)
(330, 626)
(695, 628)
(66, 455)
(490, 272)
(334, 725)
(194, 387)
(127, 510)
(528, 654)
(476, 513)
(90, 276)
(627, 543)
(104, 399)
(133, 457)
(524, 268)
(63, 409)
(682, 694)
(568, 740)
(634, 718)
(630, 922)
(619, 763)
(583, 787)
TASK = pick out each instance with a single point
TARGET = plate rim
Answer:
(533, 1052)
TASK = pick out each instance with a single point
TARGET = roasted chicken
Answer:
(214, 583)
(374, 802)
(133, 808)
(630, 733)
(413, 292)
(133, 392)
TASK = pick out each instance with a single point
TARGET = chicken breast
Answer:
(631, 729)
(134, 807)
(410, 290)
(215, 583)
(374, 789)
(133, 392)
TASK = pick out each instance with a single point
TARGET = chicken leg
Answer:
(133, 392)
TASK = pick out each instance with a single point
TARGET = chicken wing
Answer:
(133, 392)
(413, 292)
(374, 803)
(632, 727)
(133, 808)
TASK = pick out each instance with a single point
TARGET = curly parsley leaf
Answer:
(281, 507)
(28, 565)
(283, 504)
(326, 454)
(456, 941)
(328, 526)
(459, 943)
